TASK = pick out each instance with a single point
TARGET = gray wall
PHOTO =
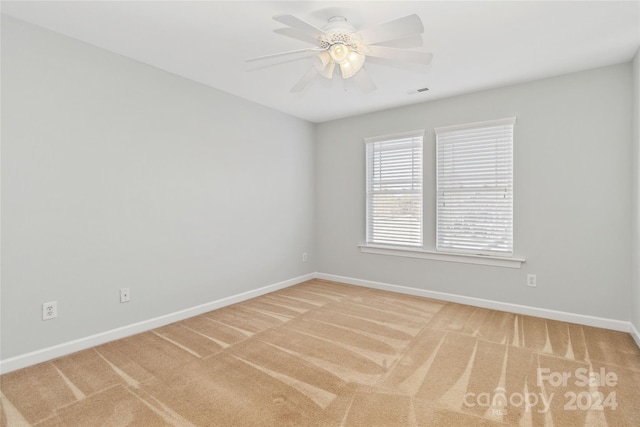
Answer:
(572, 184)
(635, 198)
(116, 174)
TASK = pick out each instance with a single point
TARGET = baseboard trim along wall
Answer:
(49, 353)
(599, 322)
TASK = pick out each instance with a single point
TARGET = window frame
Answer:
(509, 190)
(369, 226)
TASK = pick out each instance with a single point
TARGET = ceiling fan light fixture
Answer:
(352, 64)
(340, 43)
(348, 59)
(323, 63)
(321, 60)
(339, 52)
(347, 70)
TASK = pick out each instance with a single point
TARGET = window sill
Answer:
(442, 256)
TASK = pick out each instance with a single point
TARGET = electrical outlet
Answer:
(125, 295)
(49, 310)
(304, 257)
(531, 280)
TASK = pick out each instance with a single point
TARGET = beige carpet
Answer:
(329, 354)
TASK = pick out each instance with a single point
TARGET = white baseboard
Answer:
(49, 353)
(599, 322)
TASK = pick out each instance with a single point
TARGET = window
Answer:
(475, 188)
(394, 190)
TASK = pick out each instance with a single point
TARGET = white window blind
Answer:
(475, 188)
(394, 189)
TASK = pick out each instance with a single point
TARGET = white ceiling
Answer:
(476, 45)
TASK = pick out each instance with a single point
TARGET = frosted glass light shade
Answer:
(339, 52)
(349, 60)
(352, 64)
(321, 60)
(324, 64)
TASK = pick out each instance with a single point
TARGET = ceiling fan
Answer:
(341, 49)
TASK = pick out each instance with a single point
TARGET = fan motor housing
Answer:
(339, 31)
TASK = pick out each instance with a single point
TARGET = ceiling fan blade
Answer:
(306, 50)
(304, 81)
(404, 43)
(299, 24)
(400, 55)
(363, 81)
(268, 64)
(296, 34)
(392, 30)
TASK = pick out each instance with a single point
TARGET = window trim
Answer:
(495, 261)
